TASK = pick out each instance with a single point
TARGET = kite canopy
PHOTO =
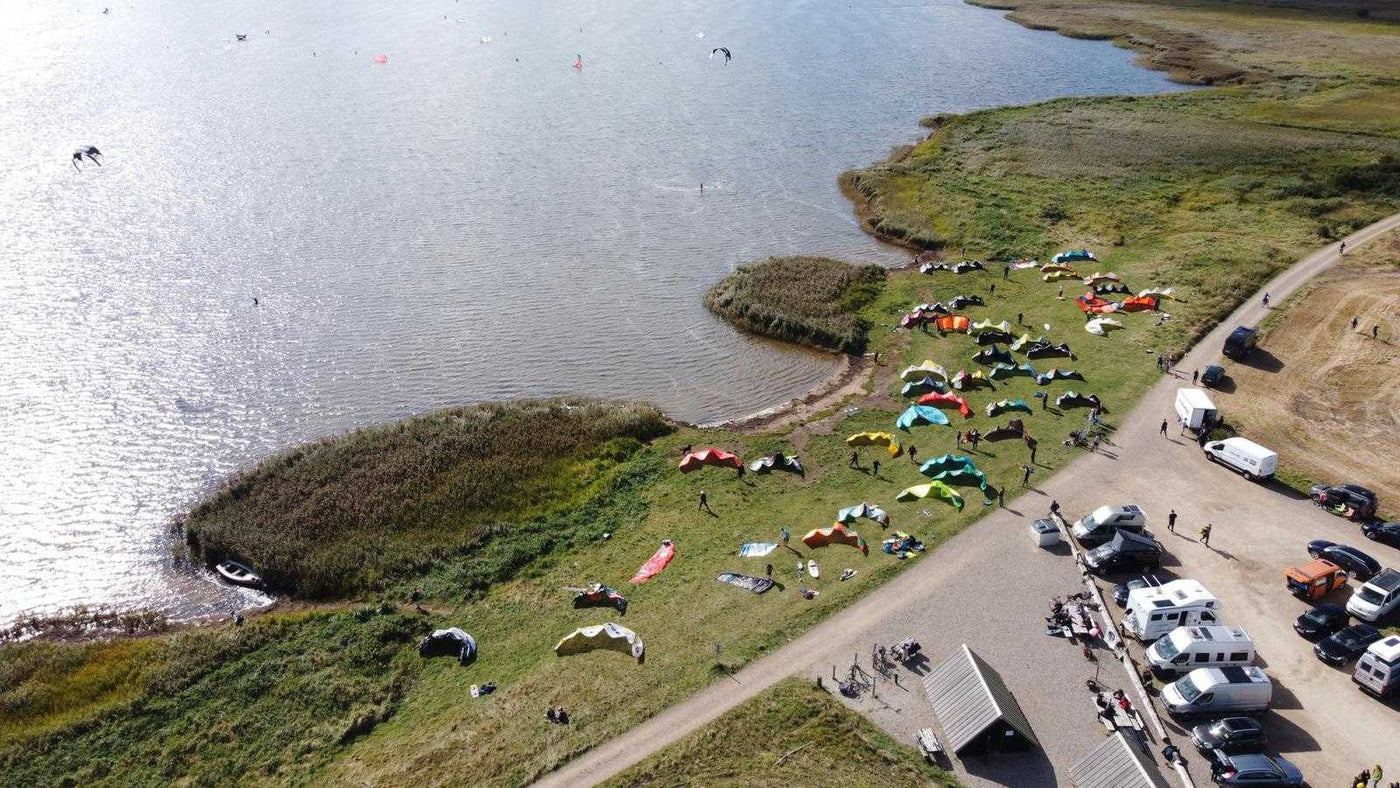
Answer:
(993, 355)
(1073, 255)
(1092, 304)
(936, 308)
(1055, 373)
(1026, 341)
(1096, 278)
(757, 549)
(1002, 326)
(955, 469)
(921, 387)
(719, 458)
(1021, 265)
(1011, 429)
(599, 595)
(1004, 371)
(1100, 326)
(961, 301)
(444, 642)
(1111, 287)
(609, 636)
(1047, 350)
(755, 584)
(777, 462)
(947, 401)
(947, 462)
(927, 369)
(381, 58)
(1060, 275)
(915, 415)
(952, 323)
(969, 265)
(1158, 292)
(1002, 406)
(937, 490)
(834, 534)
(917, 318)
(992, 337)
(970, 380)
(1052, 268)
(869, 511)
(656, 563)
(1138, 304)
(876, 439)
(1073, 399)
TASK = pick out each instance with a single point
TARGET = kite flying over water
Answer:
(725, 50)
(578, 62)
(91, 152)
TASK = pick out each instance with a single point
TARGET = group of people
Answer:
(559, 715)
(1370, 778)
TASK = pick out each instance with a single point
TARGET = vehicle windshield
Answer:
(1092, 520)
(1348, 638)
(1166, 649)
(1188, 689)
(1369, 594)
(1316, 616)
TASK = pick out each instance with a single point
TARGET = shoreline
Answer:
(847, 380)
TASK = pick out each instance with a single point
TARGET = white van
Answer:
(1187, 648)
(1099, 526)
(1194, 409)
(1378, 670)
(1218, 691)
(1245, 456)
(1153, 612)
(1377, 598)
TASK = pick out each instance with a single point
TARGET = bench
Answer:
(928, 743)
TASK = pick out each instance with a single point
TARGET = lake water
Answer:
(470, 220)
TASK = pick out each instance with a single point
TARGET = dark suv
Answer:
(1240, 342)
(1346, 645)
(1230, 736)
(1385, 533)
(1361, 566)
(1349, 500)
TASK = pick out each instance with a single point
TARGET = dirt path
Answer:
(1323, 724)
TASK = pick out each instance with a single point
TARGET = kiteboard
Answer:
(813, 569)
(758, 585)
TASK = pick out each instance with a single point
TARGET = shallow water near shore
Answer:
(467, 221)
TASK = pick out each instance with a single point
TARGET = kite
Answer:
(91, 152)
(725, 50)
(711, 456)
(927, 369)
(757, 549)
(947, 401)
(657, 562)
(876, 439)
(607, 636)
(937, 490)
(921, 414)
(599, 595)
(755, 584)
(1003, 371)
(993, 355)
(1001, 406)
(963, 380)
(1102, 325)
(869, 511)
(1073, 255)
(921, 387)
(578, 62)
(381, 58)
(834, 534)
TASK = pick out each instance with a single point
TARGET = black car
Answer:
(1212, 376)
(1344, 646)
(1361, 566)
(1321, 621)
(1127, 551)
(1121, 591)
(1353, 500)
(1231, 736)
(1385, 533)
(1256, 769)
(1240, 342)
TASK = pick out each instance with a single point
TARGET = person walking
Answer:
(740, 468)
(1171, 521)
(1266, 298)
(1034, 446)
(1195, 375)
(1375, 330)
(993, 289)
(875, 469)
(1001, 497)
(1019, 317)
(784, 535)
(957, 437)
(1094, 444)
(913, 452)
(1006, 272)
(1163, 430)
(855, 460)
(1376, 775)
(1054, 508)
(975, 437)
(770, 570)
(1205, 534)
(1044, 399)
(1353, 324)
(1341, 251)
(705, 502)
(1026, 477)
(1062, 293)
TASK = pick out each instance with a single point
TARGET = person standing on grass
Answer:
(993, 289)
(740, 468)
(1033, 446)
(875, 468)
(1019, 317)
(1062, 293)
(1171, 521)
(770, 570)
(855, 460)
(784, 535)
(957, 436)
(1163, 431)
(1026, 478)
(913, 452)
(1001, 497)
(1205, 534)
(1006, 272)
(705, 502)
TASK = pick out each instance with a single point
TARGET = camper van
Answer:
(1378, 670)
(1218, 691)
(1377, 598)
(1245, 456)
(1194, 409)
(1100, 525)
(1187, 648)
(1153, 612)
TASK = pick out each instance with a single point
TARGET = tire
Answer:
(1372, 535)
(1249, 476)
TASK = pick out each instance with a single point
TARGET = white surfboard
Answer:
(813, 569)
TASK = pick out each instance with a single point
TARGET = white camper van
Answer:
(1378, 670)
(1100, 525)
(1153, 612)
(1218, 691)
(1194, 409)
(1377, 597)
(1245, 456)
(1186, 648)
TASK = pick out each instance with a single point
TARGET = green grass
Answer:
(351, 514)
(830, 745)
(806, 300)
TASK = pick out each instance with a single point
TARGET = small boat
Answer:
(239, 574)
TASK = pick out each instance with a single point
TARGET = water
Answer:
(468, 221)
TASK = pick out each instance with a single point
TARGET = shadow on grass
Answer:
(1264, 361)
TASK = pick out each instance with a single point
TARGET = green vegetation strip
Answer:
(806, 300)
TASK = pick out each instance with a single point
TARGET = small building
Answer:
(1117, 763)
(977, 711)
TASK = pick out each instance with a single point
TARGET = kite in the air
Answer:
(91, 152)
(725, 50)
(578, 62)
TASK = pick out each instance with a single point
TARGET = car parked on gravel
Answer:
(1212, 376)
(1256, 769)
(1385, 533)
(1346, 645)
(1230, 736)
(1348, 500)
(1321, 621)
(1359, 565)
(1121, 591)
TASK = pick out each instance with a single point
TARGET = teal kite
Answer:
(1001, 406)
(920, 414)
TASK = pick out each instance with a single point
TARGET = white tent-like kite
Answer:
(608, 636)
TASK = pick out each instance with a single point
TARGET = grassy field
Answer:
(354, 513)
(1206, 192)
(1326, 395)
(807, 300)
(829, 745)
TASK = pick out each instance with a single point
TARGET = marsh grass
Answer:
(812, 301)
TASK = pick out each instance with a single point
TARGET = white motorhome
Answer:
(1186, 648)
(1100, 525)
(1377, 597)
(1218, 691)
(1194, 409)
(1245, 456)
(1153, 612)
(1378, 670)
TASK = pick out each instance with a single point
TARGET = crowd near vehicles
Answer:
(1236, 690)
(1377, 598)
(1187, 648)
(1378, 670)
(1241, 454)
(1348, 500)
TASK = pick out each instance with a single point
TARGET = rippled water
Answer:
(467, 221)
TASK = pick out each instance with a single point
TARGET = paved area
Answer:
(989, 587)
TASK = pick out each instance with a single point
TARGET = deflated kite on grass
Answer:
(947, 401)
(948, 323)
(915, 415)
(719, 458)
(834, 534)
(947, 462)
(1002, 406)
(1138, 304)
(1012, 429)
(609, 636)
(777, 462)
(921, 387)
(1025, 341)
(1060, 276)
(994, 355)
(1004, 371)
(963, 301)
(866, 510)
(657, 562)
(885, 439)
(981, 324)
(1100, 326)
(966, 381)
(1096, 278)
(1047, 350)
(1073, 399)
(1055, 268)
(936, 490)
(1158, 292)
(927, 369)
(757, 549)
(992, 336)
(1055, 373)
(747, 582)
(1073, 255)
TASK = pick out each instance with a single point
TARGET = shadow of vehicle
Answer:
(1263, 360)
